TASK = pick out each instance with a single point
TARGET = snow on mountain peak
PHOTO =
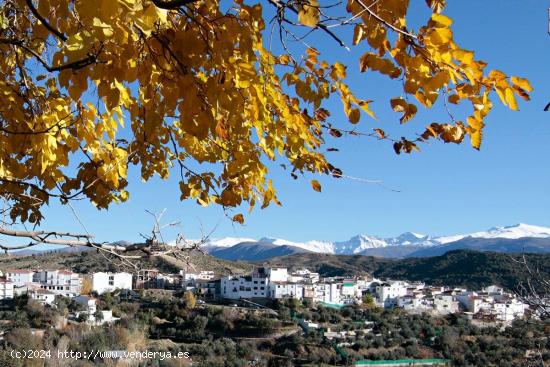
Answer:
(512, 232)
(227, 241)
(359, 243)
(515, 231)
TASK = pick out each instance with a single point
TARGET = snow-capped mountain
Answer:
(227, 241)
(513, 232)
(410, 242)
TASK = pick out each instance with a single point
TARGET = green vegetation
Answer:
(217, 335)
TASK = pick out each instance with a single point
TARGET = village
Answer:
(262, 285)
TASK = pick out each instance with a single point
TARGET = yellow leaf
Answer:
(358, 34)
(316, 185)
(442, 20)
(436, 5)
(510, 99)
(365, 107)
(309, 13)
(475, 128)
(439, 36)
(522, 83)
(400, 105)
(105, 28)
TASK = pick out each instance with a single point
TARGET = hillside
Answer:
(254, 251)
(467, 268)
(92, 261)
(459, 268)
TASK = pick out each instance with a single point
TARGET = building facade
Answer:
(61, 282)
(108, 282)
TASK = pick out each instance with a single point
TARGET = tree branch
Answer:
(321, 26)
(74, 65)
(44, 22)
(381, 20)
(172, 4)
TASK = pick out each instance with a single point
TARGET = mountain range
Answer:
(510, 239)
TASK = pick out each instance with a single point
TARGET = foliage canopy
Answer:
(88, 88)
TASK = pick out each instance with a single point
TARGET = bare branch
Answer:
(74, 65)
(282, 7)
(44, 22)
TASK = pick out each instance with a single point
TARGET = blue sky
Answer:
(445, 189)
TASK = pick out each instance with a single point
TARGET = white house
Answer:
(493, 289)
(20, 277)
(248, 286)
(43, 296)
(108, 282)
(445, 304)
(6, 289)
(327, 292)
(414, 302)
(350, 292)
(89, 303)
(201, 275)
(509, 310)
(274, 274)
(62, 282)
(279, 290)
(106, 318)
(387, 293)
(255, 285)
(303, 275)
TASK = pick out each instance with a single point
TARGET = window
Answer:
(262, 288)
(255, 288)
(255, 282)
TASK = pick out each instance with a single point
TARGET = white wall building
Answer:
(280, 290)
(327, 292)
(108, 282)
(201, 275)
(303, 276)
(20, 277)
(236, 287)
(445, 304)
(43, 296)
(89, 303)
(274, 274)
(6, 289)
(509, 310)
(387, 293)
(351, 292)
(62, 282)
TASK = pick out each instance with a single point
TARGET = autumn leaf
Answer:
(408, 110)
(309, 13)
(335, 132)
(316, 185)
(203, 90)
(522, 83)
(436, 5)
(238, 218)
